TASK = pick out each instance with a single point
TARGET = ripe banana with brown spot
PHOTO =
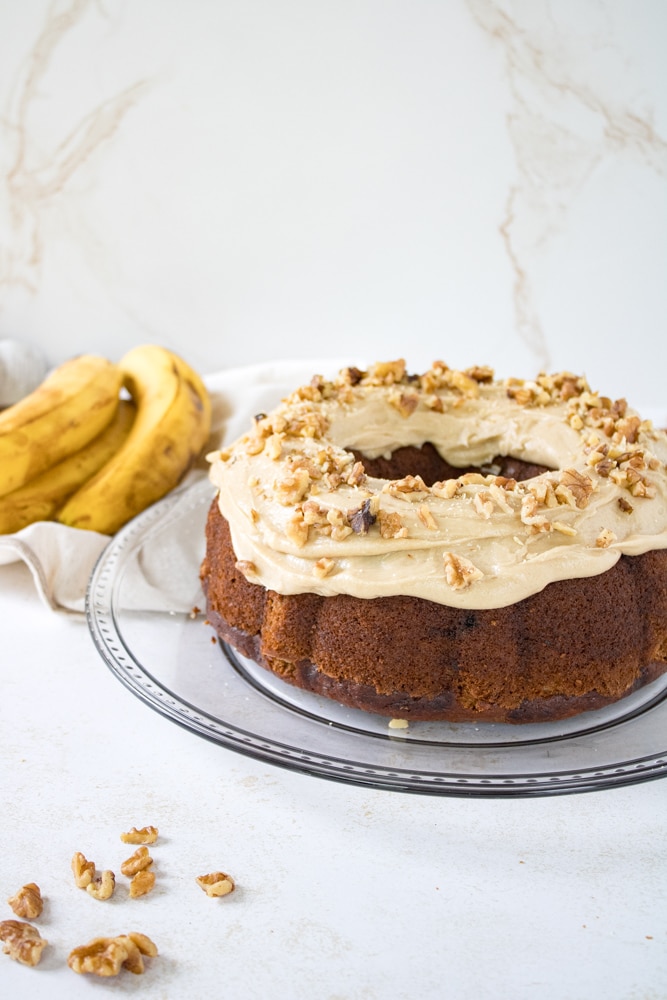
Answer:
(71, 407)
(170, 430)
(39, 499)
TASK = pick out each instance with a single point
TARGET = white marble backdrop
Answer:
(483, 181)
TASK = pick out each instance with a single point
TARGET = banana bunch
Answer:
(78, 452)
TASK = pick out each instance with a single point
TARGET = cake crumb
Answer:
(398, 723)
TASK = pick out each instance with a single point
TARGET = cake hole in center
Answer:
(433, 468)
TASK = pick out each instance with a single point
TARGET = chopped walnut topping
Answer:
(629, 427)
(106, 956)
(480, 373)
(314, 513)
(248, 570)
(142, 883)
(405, 402)
(543, 491)
(642, 489)
(340, 531)
(391, 525)
(530, 515)
(364, 517)
(483, 503)
(563, 385)
(499, 496)
(102, 886)
(357, 476)
(625, 506)
(296, 529)
(83, 870)
(146, 835)
(425, 515)
(435, 378)
(527, 393)
(435, 403)
(509, 485)
(323, 567)
(385, 373)
(27, 902)
(447, 489)
(565, 529)
(411, 488)
(578, 484)
(604, 467)
(605, 538)
(216, 884)
(460, 572)
(137, 862)
(293, 487)
(254, 445)
(274, 446)
(22, 942)
(352, 375)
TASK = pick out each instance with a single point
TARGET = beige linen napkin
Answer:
(61, 559)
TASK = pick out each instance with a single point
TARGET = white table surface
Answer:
(343, 892)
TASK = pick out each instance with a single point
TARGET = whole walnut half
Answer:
(27, 902)
(106, 956)
(21, 941)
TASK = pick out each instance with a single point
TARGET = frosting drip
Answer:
(304, 517)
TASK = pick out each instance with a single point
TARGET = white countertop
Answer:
(343, 892)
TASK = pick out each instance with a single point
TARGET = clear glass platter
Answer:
(145, 614)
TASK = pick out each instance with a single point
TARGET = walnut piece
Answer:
(405, 402)
(145, 835)
(363, 518)
(142, 883)
(460, 572)
(136, 862)
(27, 902)
(102, 886)
(323, 567)
(106, 956)
(605, 539)
(83, 870)
(216, 884)
(22, 942)
(578, 484)
(391, 525)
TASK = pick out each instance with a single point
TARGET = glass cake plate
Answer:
(145, 614)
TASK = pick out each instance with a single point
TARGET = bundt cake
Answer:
(445, 546)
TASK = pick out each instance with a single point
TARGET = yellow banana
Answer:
(39, 499)
(170, 430)
(71, 407)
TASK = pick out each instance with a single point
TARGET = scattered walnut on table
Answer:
(146, 835)
(142, 883)
(137, 862)
(22, 942)
(84, 870)
(102, 886)
(216, 884)
(106, 956)
(27, 902)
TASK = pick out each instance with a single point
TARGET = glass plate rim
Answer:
(230, 734)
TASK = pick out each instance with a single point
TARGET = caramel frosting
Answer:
(304, 516)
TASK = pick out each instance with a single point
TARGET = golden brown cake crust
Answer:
(574, 646)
